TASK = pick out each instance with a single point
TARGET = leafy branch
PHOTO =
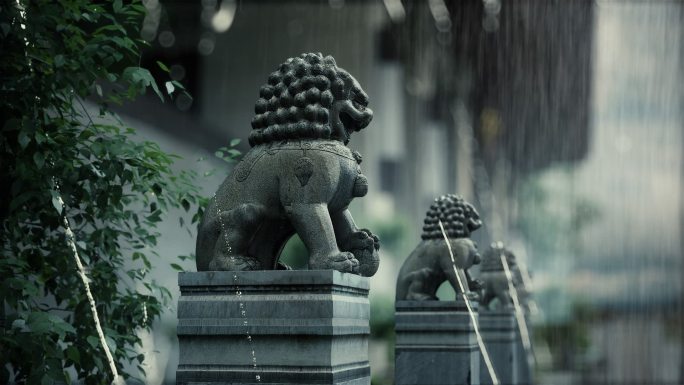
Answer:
(116, 190)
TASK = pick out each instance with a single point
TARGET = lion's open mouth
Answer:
(348, 122)
(355, 117)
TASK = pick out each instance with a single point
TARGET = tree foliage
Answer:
(54, 55)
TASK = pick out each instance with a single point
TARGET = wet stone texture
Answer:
(498, 330)
(524, 375)
(273, 327)
(435, 344)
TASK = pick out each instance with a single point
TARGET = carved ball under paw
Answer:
(476, 285)
(365, 245)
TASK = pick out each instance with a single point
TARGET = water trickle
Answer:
(519, 315)
(238, 292)
(480, 342)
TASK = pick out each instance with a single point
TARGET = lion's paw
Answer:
(364, 245)
(476, 285)
(342, 261)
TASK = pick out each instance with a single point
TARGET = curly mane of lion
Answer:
(458, 217)
(296, 101)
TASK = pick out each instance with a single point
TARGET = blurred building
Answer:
(459, 88)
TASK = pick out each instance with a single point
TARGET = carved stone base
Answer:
(435, 344)
(498, 330)
(524, 372)
(286, 327)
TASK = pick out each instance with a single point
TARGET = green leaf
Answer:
(73, 354)
(60, 326)
(163, 67)
(24, 140)
(153, 83)
(56, 201)
(235, 142)
(67, 377)
(141, 78)
(39, 159)
(176, 266)
(93, 341)
(18, 323)
(111, 344)
(178, 85)
(59, 61)
(39, 322)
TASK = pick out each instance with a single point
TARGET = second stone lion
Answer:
(430, 263)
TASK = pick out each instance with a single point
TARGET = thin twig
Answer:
(82, 274)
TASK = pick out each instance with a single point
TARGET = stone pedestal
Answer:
(524, 375)
(499, 330)
(273, 327)
(435, 344)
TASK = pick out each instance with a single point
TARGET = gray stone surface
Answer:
(435, 344)
(494, 280)
(524, 372)
(498, 330)
(496, 296)
(299, 177)
(298, 327)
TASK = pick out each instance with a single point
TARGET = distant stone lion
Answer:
(495, 281)
(430, 263)
(298, 177)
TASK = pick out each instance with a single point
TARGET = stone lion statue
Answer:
(299, 177)
(430, 264)
(494, 280)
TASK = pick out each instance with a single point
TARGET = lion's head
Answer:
(491, 260)
(458, 217)
(309, 97)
